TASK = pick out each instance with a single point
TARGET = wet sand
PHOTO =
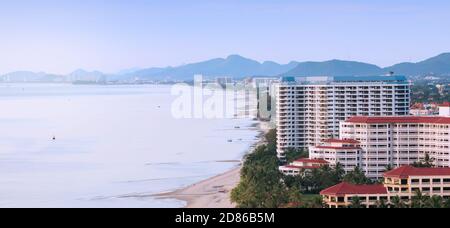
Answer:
(213, 192)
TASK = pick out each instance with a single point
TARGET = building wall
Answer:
(307, 114)
(348, 158)
(398, 144)
(405, 189)
(444, 111)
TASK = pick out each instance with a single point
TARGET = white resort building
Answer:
(309, 110)
(334, 151)
(403, 183)
(302, 165)
(397, 141)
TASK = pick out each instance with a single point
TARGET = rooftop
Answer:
(338, 147)
(300, 167)
(445, 104)
(317, 161)
(407, 171)
(340, 79)
(351, 189)
(398, 119)
(348, 141)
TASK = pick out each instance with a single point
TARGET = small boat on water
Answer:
(230, 141)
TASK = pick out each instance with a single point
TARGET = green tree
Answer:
(317, 202)
(294, 154)
(338, 173)
(435, 202)
(271, 139)
(427, 162)
(419, 200)
(397, 202)
(261, 185)
(382, 204)
(389, 168)
(356, 203)
(446, 203)
(295, 197)
(357, 176)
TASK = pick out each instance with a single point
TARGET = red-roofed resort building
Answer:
(345, 152)
(403, 182)
(299, 166)
(398, 141)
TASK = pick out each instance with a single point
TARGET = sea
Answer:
(108, 146)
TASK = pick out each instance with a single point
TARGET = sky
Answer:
(59, 36)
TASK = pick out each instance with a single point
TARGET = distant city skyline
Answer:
(110, 36)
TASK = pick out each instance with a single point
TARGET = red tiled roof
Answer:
(306, 160)
(349, 141)
(350, 189)
(445, 104)
(407, 171)
(338, 148)
(301, 167)
(405, 119)
(418, 106)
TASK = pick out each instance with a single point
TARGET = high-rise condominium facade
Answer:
(309, 110)
(398, 141)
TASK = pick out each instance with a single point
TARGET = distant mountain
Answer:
(334, 68)
(439, 65)
(28, 76)
(83, 75)
(237, 67)
(234, 66)
(128, 71)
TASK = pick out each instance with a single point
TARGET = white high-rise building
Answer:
(309, 110)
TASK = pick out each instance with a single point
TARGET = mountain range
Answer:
(237, 67)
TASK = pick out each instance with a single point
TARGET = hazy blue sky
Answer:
(59, 36)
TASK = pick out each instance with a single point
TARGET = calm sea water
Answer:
(113, 143)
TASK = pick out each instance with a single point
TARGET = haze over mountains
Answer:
(236, 66)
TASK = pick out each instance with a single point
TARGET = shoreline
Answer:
(215, 192)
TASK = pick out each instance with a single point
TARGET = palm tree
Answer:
(389, 168)
(435, 202)
(397, 202)
(419, 200)
(356, 202)
(446, 203)
(317, 202)
(427, 162)
(382, 204)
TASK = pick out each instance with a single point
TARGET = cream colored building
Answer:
(334, 151)
(310, 109)
(398, 141)
(444, 109)
(403, 182)
(301, 165)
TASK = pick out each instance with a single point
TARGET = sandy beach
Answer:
(213, 192)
